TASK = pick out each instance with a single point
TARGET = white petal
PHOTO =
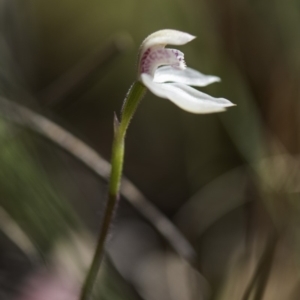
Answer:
(166, 37)
(187, 76)
(185, 97)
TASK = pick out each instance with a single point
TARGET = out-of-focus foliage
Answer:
(25, 190)
(229, 182)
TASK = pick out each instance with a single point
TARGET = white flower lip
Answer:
(164, 73)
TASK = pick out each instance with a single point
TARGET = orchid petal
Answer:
(166, 37)
(186, 97)
(187, 76)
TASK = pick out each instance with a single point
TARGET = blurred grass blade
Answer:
(77, 77)
(25, 117)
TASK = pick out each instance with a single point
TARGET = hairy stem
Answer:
(132, 100)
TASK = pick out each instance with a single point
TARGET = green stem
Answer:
(131, 102)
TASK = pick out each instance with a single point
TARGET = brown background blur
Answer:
(229, 182)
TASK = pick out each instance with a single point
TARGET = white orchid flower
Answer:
(163, 71)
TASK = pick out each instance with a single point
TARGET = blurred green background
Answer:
(228, 182)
